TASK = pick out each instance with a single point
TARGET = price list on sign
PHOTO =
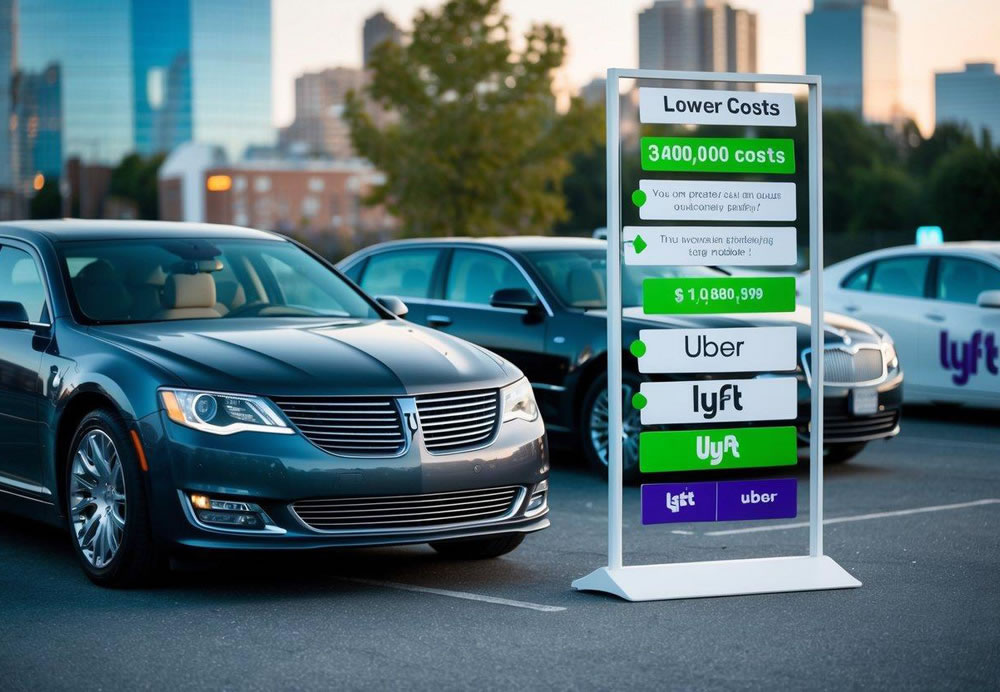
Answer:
(709, 252)
(707, 400)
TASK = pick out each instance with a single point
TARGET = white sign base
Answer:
(718, 578)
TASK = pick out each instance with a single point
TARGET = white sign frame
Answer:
(723, 577)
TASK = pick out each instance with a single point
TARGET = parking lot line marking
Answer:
(858, 517)
(457, 594)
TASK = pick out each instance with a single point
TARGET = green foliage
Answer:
(47, 202)
(474, 144)
(965, 190)
(134, 178)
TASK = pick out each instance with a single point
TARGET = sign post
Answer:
(731, 402)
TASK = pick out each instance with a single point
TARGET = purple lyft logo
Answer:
(665, 503)
(757, 499)
(963, 356)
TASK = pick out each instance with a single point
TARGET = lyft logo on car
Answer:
(963, 356)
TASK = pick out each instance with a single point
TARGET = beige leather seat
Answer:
(188, 296)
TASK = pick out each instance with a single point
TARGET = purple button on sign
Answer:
(665, 503)
(764, 499)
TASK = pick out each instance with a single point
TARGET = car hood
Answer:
(838, 328)
(276, 356)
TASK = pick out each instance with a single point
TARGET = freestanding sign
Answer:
(732, 398)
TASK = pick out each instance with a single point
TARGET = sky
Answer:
(934, 35)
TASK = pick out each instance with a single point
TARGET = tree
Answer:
(134, 179)
(475, 144)
(965, 190)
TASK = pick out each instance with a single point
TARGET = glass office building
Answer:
(853, 45)
(147, 75)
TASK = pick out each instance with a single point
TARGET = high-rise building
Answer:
(146, 75)
(8, 66)
(319, 128)
(378, 28)
(970, 98)
(853, 46)
(697, 35)
(38, 122)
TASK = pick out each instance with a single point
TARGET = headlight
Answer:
(222, 414)
(889, 353)
(519, 401)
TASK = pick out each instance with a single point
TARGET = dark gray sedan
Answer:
(175, 387)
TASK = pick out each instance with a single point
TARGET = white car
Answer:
(941, 305)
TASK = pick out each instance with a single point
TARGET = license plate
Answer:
(864, 402)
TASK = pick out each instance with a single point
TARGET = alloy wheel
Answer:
(630, 425)
(97, 498)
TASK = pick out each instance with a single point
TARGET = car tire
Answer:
(842, 453)
(593, 439)
(479, 548)
(106, 507)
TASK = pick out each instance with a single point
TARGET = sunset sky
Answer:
(933, 35)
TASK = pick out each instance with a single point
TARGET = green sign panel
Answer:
(732, 448)
(718, 154)
(708, 295)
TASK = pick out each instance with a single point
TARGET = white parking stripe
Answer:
(858, 517)
(457, 594)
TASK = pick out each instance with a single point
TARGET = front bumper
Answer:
(274, 471)
(841, 426)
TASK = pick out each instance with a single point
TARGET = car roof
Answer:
(518, 243)
(100, 229)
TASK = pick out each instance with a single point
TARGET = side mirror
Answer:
(515, 298)
(13, 314)
(393, 305)
(989, 299)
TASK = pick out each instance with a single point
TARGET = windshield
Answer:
(578, 277)
(114, 281)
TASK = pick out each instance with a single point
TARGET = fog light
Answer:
(230, 513)
(537, 503)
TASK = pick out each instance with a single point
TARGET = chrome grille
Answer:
(401, 512)
(459, 421)
(348, 425)
(842, 366)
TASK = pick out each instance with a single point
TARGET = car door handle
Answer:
(934, 317)
(851, 308)
(438, 320)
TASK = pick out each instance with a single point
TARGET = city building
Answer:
(12, 199)
(970, 98)
(853, 46)
(697, 35)
(154, 73)
(319, 128)
(37, 119)
(378, 28)
(197, 183)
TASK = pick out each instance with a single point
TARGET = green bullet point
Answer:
(638, 198)
(639, 244)
(638, 348)
(638, 401)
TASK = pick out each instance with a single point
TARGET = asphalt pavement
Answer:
(916, 519)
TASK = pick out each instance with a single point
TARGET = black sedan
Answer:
(541, 303)
(169, 388)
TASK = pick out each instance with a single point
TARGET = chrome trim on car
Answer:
(23, 485)
(851, 349)
(515, 507)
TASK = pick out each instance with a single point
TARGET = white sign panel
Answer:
(718, 401)
(697, 245)
(715, 200)
(710, 107)
(738, 349)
